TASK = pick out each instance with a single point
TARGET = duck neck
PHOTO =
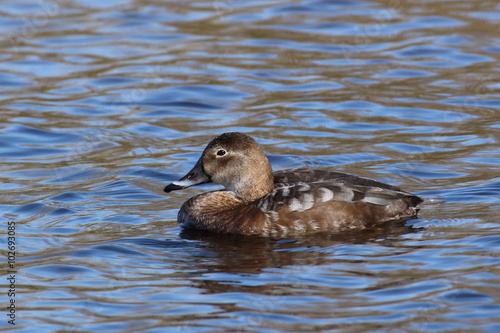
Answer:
(255, 185)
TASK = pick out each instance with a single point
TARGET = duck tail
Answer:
(430, 203)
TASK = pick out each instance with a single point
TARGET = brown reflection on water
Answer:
(251, 255)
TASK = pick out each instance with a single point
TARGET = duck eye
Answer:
(221, 152)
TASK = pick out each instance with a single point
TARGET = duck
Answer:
(256, 201)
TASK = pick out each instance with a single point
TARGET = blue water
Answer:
(105, 102)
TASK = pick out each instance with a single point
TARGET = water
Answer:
(105, 102)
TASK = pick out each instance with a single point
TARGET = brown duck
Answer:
(258, 201)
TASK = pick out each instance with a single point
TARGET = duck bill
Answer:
(194, 177)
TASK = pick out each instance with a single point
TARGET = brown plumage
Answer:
(257, 201)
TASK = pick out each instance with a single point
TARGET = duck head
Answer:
(235, 161)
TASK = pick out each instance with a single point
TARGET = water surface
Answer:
(105, 102)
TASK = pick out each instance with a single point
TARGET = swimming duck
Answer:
(257, 201)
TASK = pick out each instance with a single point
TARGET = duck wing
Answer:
(311, 187)
(311, 175)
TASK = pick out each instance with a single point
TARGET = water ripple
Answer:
(104, 102)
